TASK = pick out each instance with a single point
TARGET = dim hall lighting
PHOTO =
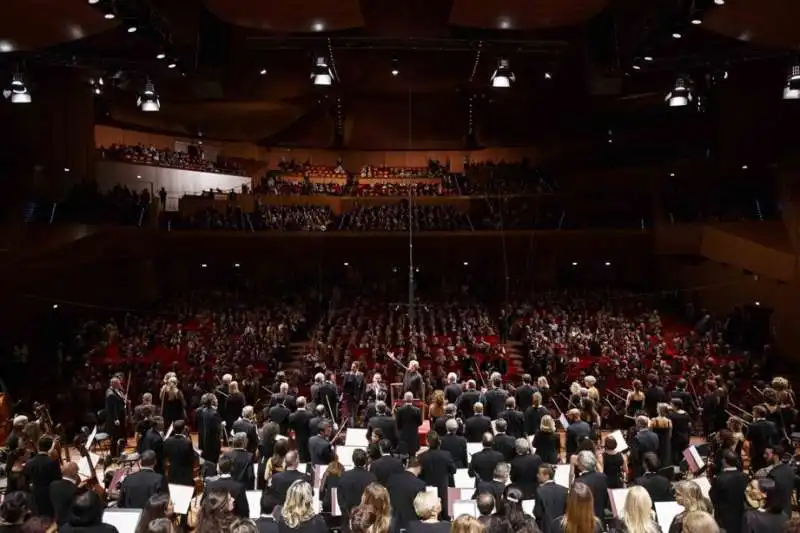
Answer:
(503, 77)
(574, 263)
(696, 20)
(346, 264)
(680, 95)
(791, 90)
(148, 101)
(677, 35)
(719, 2)
(132, 29)
(172, 65)
(608, 263)
(109, 15)
(321, 74)
(649, 59)
(548, 76)
(18, 93)
(93, 2)
(203, 265)
(236, 265)
(161, 55)
(263, 71)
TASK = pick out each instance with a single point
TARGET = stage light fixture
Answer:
(791, 90)
(321, 74)
(109, 15)
(18, 93)
(161, 55)
(719, 2)
(263, 71)
(132, 29)
(696, 20)
(648, 58)
(503, 77)
(172, 65)
(148, 101)
(395, 72)
(548, 76)
(93, 2)
(677, 35)
(680, 95)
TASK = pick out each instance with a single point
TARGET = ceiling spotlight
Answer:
(680, 95)
(161, 55)
(172, 65)
(346, 264)
(66, 169)
(466, 263)
(637, 67)
(93, 2)
(395, 72)
(502, 78)
(109, 15)
(719, 2)
(97, 90)
(131, 29)
(321, 74)
(791, 90)
(608, 263)
(548, 76)
(203, 265)
(505, 24)
(236, 265)
(6, 47)
(318, 26)
(18, 93)
(671, 174)
(648, 58)
(696, 20)
(574, 263)
(677, 35)
(148, 101)
(745, 167)
(263, 71)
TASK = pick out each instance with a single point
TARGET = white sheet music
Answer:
(169, 431)
(468, 507)
(281, 437)
(90, 440)
(704, 484)
(563, 473)
(617, 498)
(461, 479)
(466, 494)
(432, 490)
(335, 510)
(85, 471)
(125, 520)
(356, 437)
(472, 449)
(345, 454)
(666, 512)
(254, 503)
(563, 420)
(528, 505)
(622, 444)
(255, 477)
(181, 496)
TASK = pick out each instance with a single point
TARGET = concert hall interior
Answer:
(414, 266)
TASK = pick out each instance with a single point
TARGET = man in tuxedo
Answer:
(468, 399)
(179, 455)
(483, 463)
(115, 414)
(299, 422)
(653, 396)
(525, 469)
(409, 419)
(320, 415)
(503, 442)
(353, 482)
(280, 482)
(144, 410)
(440, 424)
(328, 396)
(476, 426)
(412, 380)
(762, 434)
(266, 522)
(137, 487)
(152, 439)
(455, 444)
(242, 462)
(497, 485)
(577, 430)
(403, 487)
(495, 397)
(222, 392)
(452, 391)
(319, 446)
(726, 493)
(681, 393)
(353, 390)
(63, 491)
(383, 421)
(40, 471)
(645, 441)
(657, 486)
(282, 397)
(235, 488)
(437, 469)
(246, 425)
(486, 506)
(209, 428)
(596, 481)
(524, 393)
(279, 413)
(551, 500)
(783, 475)
(386, 465)
(515, 421)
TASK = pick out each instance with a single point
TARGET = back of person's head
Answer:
(413, 463)
(178, 427)
(362, 519)
(485, 503)
(792, 526)
(86, 510)
(642, 422)
(359, 458)
(45, 443)
(522, 446)
(730, 459)
(244, 525)
(298, 506)
(292, 459)
(385, 446)
(689, 495)
(771, 495)
(498, 524)
(487, 440)
(14, 508)
(225, 465)
(433, 440)
(610, 444)
(501, 471)
(466, 524)
(700, 522)
(39, 524)
(376, 497)
(500, 425)
(638, 511)
(269, 501)
(426, 505)
(579, 517)
(451, 426)
(161, 525)
(157, 506)
(547, 424)
(512, 506)
(148, 459)
(651, 462)
(587, 461)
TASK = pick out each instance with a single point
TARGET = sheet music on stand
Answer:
(467, 507)
(254, 503)
(528, 505)
(666, 512)
(693, 459)
(563, 474)
(462, 480)
(617, 498)
(622, 444)
(704, 484)
(169, 431)
(472, 449)
(563, 420)
(345, 454)
(85, 471)
(181, 496)
(125, 520)
(356, 437)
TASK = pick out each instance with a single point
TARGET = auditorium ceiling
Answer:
(408, 74)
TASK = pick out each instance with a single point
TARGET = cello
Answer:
(92, 483)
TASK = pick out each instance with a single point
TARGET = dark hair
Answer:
(433, 440)
(214, 515)
(498, 525)
(155, 508)
(772, 497)
(547, 468)
(677, 403)
(512, 507)
(610, 444)
(244, 525)
(485, 503)
(362, 517)
(224, 465)
(159, 525)
(413, 462)
(651, 462)
(178, 427)
(45, 443)
(279, 451)
(730, 458)
(15, 507)
(385, 445)
(269, 501)
(148, 458)
(359, 458)
(37, 524)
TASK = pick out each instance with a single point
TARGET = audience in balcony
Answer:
(398, 217)
(265, 218)
(165, 157)
(120, 206)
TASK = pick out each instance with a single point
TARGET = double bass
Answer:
(92, 483)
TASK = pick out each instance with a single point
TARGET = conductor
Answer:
(353, 390)
(412, 381)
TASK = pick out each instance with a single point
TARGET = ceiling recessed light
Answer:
(719, 2)
(548, 76)
(696, 20)
(745, 167)
(677, 35)
(203, 265)
(93, 2)
(172, 65)
(505, 24)
(161, 55)
(574, 263)
(608, 263)
(6, 47)
(109, 16)
(66, 169)
(263, 71)
(466, 263)
(131, 29)
(346, 264)
(648, 58)
(636, 67)
(395, 72)
(138, 177)
(671, 174)
(318, 26)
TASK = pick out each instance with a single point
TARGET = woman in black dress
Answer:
(174, 406)
(614, 464)
(662, 426)
(547, 442)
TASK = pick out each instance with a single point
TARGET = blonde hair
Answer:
(298, 507)
(376, 497)
(541, 381)
(466, 524)
(233, 387)
(638, 517)
(547, 424)
(692, 496)
(537, 399)
(699, 522)
(425, 504)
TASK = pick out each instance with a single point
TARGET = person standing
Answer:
(115, 414)
(408, 419)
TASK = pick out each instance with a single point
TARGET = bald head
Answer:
(292, 459)
(70, 470)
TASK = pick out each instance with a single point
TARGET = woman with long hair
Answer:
(376, 497)
(638, 516)
(700, 522)
(662, 426)
(769, 518)
(216, 512)
(234, 404)
(579, 517)
(276, 463)
(512, 508)
(173, 405)
(158, 506)
(298, 513)
(436, 408)
(634, 401)
(466, 524)
(534, 413)
(362, 519)
(689, 495)
(614, 464)
(159, 525)
(13, 511)
(330, 480)
(546, 441)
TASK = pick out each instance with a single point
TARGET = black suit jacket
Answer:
(267, 524)
(456, 445)
(524, 469)
(180, 454)
(385, 467)
(281, 482)
(62, 492)
(495, 488)
(409, 419)
(483, 463)
(726, 497)
(761, 434)
(286, 399)
(403, 488)
(475, 426)
(280, 415)
(495, 402)
(515, 422)
(385, 424)
(658, 487)
(137, 488)
(327, 395)
(598, 483)
(114, 411)
(505, 444)
(237, 491)
(551, 502)
(524, 396)
(785, 482)
(248, 428)
(209, 431)
(300, 422)
(242, 468)
(467, 400)
(152, 440)
(452, 393)
(320, 450)
(437, 471)
(643, 442)
(576, 432)
(41, 471)
(533, 419)
(351, 488)
(652, 397)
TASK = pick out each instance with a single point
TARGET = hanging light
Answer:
(148, 101)
(680, 95)
(792, 89)
(321, 73)
(18, 93)
(502, 78)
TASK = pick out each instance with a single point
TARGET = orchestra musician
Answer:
(172, 402)
(209, 428)
(299, 422)
(115, 414)
(412, 381)
(153, 440)
(353, 390)
(283, 397)
(39, 472)
(179, 455)
(241, 461)
(246, 424)
(327, 395)
(143, 411)
(452, 392)
(14, 438)
(408, 418)
(319, 446)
